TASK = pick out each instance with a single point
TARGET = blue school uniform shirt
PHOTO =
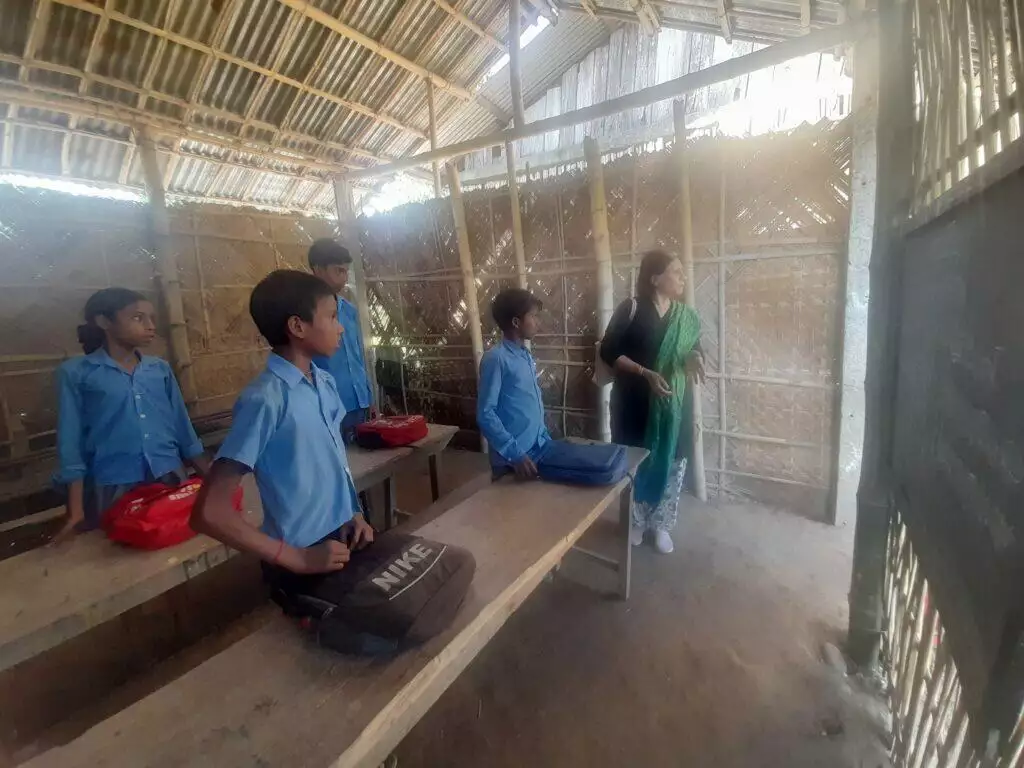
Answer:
(347, 365)
(510, 411)
(121, 428)
(287, 430)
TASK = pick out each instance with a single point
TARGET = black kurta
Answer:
(638, 340)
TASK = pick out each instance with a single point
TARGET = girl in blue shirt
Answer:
(122, 418)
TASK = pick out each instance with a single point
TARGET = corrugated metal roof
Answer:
(256, 101)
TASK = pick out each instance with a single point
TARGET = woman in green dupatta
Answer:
(653, 345)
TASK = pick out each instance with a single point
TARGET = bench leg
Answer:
(435, 485)
(626, 548)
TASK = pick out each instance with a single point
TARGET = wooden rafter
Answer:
(36, 30)
(618, 14)
(95, 46)
(647, 16)
(84, 5)
(158, 54)
(131, 117)
(725, 20)
(212, 111)
(471, 25)
(805, 15)
(310, 11)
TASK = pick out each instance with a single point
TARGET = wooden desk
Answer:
(48, 596)
(273, 699)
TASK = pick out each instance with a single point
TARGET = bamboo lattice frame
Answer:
(968, 67)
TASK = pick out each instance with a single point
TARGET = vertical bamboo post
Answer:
(515, 81)
(603, 255)
(517, 214)
(723, 411)
(167, 267)
(345, 203)
(468, 278)
(432, 114)
(686, 232)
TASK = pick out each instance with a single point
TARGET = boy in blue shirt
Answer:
(330, 262)
(287, 430)
(510, 411)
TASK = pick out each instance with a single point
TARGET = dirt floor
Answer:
(716, 660)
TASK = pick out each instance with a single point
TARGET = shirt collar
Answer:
(517, 349)
(102, 357)
(284, 370)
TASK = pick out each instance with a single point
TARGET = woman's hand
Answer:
(658, 384)
(695, 367)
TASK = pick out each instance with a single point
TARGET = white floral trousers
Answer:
(663, 515)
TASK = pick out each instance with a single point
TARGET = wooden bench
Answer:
(273, 699)
(48, 596)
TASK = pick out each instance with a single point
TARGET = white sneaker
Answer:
(636, 535)
(663, 543)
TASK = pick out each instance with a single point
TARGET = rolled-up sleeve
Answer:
(189, 444)
(487, 411)
(70, 431)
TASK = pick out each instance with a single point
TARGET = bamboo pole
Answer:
(432, 115)
(471, 25)
(346, 204)
(686, 232)
(517, 215)
(515, 80)
(468, 278)
(313, 13)
(167, 268)
(182, 40)
(603, 256)
(822, 39)
(723, 411)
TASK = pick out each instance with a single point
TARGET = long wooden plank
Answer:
(48, 596)
(275, 700)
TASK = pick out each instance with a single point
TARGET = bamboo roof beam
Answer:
(216, 53)
(646, 15)
(818, 40)
(725, 20)
(177, 102)
(618, 14)
(36, 30)
(310, 11)
(449, 8)
(95, 46)
(158, 54)
(131, 117)
(227, 16)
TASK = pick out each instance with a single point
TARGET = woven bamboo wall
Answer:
(780, 252)
(222, 253)
(56, 249)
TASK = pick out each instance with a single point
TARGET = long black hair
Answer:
(105, 303)
(654, 263)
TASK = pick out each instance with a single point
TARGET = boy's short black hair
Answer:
(512, 303)
(327, 251)
(282, 294)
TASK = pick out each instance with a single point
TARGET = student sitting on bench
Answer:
(510, 411)
(287, 430)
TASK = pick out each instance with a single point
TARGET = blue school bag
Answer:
(583, 463)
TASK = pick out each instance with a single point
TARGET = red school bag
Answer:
(156, 516)
(391, 431)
